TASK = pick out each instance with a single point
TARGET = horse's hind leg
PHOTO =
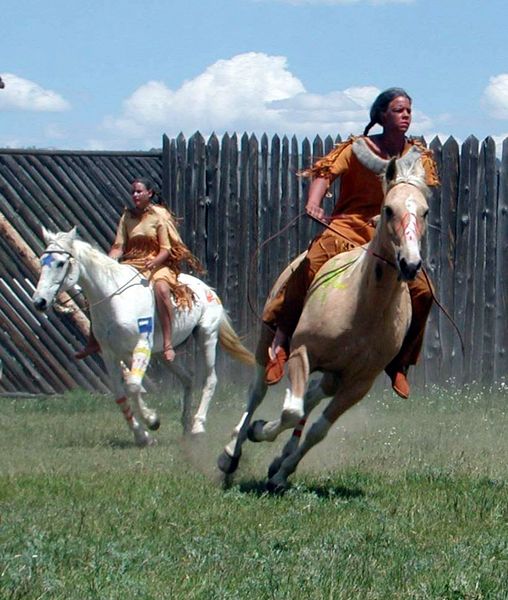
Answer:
(228, 460)
(313, 396)
(208, 345)
(317, 432)
(185, 379)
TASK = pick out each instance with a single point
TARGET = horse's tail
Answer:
(231, 342)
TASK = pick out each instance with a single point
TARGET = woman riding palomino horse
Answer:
(364, 295)
(351, 225)
(147, 239)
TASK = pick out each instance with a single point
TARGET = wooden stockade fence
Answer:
(241, 205)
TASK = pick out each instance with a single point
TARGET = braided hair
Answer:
(381, 103)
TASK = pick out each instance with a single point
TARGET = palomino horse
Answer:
(122, 312)
(355, 317)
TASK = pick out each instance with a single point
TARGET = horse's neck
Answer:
(380, 278)
(96, 280)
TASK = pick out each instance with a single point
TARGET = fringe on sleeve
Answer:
(323, 167)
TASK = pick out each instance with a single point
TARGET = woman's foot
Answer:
(277, 358)
(92, 347)
(400, 384)
(274, 370)
(169, 353)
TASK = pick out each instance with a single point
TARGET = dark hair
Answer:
(150, 186)
(381, 103)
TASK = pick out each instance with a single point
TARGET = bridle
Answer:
(47, 259)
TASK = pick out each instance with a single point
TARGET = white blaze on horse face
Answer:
(51, 277)
(410, 228)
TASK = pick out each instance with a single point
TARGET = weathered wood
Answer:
(274, 211)
(432, 353)
(466, 253)
(488, 194)
(233, 202)
(449, 177)
(213, 217)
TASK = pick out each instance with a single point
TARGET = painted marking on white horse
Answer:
(127, 412)
(46, 260)
(211, 297)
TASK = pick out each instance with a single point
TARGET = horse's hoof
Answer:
(273, 487)
(154, 425)
(275, 466)
(228, 464)
(251, 432)
(198, 429)
(145, 442)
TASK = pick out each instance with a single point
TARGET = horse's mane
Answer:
(82, 248)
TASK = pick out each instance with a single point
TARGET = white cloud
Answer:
(251, 92)
(23, 94)
(495, 97)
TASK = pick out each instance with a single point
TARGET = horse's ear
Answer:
(391, 170)
(73, 233)
(47, 236)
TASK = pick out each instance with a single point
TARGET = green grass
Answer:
(405, 499)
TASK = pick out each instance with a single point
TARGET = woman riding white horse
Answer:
(122, 310)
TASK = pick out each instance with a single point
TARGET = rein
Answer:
(121, 289)
(382, 258)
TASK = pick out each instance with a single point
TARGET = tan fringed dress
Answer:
(142, 236)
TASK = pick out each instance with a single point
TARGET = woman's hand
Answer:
(317, 191)
(151, 263)
(315, 211)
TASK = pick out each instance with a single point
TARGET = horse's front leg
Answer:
(134, 377)
(293, 408)
(116, 376)
(230, 457)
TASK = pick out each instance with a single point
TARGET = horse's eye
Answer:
(60, 264)
(388, 212)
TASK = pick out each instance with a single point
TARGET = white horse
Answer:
(365, 298)
(122, 310)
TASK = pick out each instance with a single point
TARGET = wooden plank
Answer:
(232, 293)
(489, 280)
(305, 224)
(501, 310)
(294, 198)
(465, 256)
(274, 209)
(214, 220)
(264, 225)
(284, 245)
(449, 176)
(432, 344)
(252, 266)
(222, 249)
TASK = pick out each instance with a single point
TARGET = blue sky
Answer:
(117, 74)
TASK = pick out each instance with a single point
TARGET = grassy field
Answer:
(405, 499)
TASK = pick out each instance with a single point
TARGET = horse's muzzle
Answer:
(40, 303)
(409, 270)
